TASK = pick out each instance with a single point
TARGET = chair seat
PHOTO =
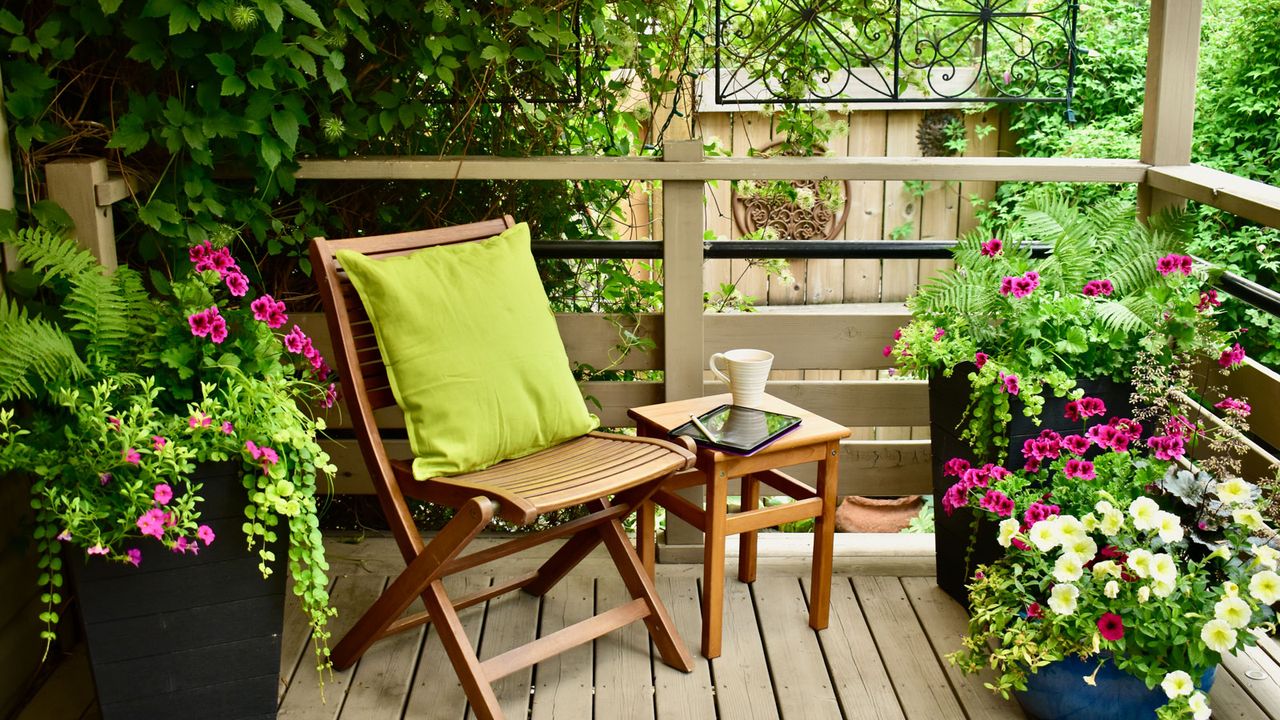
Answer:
(592, 466)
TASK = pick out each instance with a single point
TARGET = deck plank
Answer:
(741, 673)
(295, 637)
(381, 683)
(1230, 701)
(861, 681)
(68, 693)
(804, 689)
(564, 682)
(921, 684)
(1265, 691)
(679, 695)
(436, 693)
(624, 670)
(945, 623)
(352, 595)
(510, 621)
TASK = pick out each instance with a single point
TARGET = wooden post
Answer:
(1168, 114)
(73, 185)
(6, 185)
(682, 223)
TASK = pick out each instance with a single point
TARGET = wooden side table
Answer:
(816, 440)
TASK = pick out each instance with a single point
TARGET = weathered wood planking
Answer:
(866, 212)
(380, 686)
(717, 127)
(623, 673)
(824, 279)
(1257, 383)
(988, 146)
(564, 682)
(511, 621)
(678, 695)
(902, 211)
(436, 693)
(800, 679)
(750, 131)
(861, 680)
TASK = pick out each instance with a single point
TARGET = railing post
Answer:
(73, 185)
(1169, 109)
(682, 220)
(7, 259)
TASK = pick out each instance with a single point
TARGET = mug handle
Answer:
(717, 371)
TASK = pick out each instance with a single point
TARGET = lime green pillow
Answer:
(472, 350)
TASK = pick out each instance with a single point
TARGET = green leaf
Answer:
(183, 18)
(333, 75)
(131, 135)
(304, 12)
(11, 24)
(358, 7)
(223, 63)
(232, 86)
(286, 125)
(157, 211)
(445, 74)
(270, 153)
(272, 11)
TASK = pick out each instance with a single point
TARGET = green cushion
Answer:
(472, 350)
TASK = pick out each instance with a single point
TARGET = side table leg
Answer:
(824, 538)
(713, 563)
(747, 540)
(646, 530)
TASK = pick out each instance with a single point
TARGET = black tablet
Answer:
(738, 429)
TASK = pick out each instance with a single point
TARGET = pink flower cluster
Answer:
(1085, 407)
(206, 257)
(1020, 287)
(980, 358)
(298, 343)
(330, 396)
(1232, 356)
(210, 323)
(937, 334)
(1167, 447)
(992, 247)
(1208, 299)
(1116, 434)
(1046, 446)
(970, 478)
(1079, 469)
(1076, 444)
(1173, 263)
(270, 311)
(1094, 288)
(1233, 406)
(154, 522)
(997, 502)
(199, 420)
(1038, 511)
(1010, 383)
(264, 455)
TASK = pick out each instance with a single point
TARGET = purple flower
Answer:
(1084, 408)
(135, 556)
(1172, 263)
(1233, 406)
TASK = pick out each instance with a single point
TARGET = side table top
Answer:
(664, 417)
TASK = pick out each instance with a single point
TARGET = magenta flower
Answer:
(200, 323)
(1084, 408)
(897, 334)
(1006, 284)
(199, 255)
(1232, 356)
(205, 533)
(64, 536)
(1111, 627)
(1046, 446)
(955, 467)
(1208, 299)
(135, 556)
(262, 307)
(253, 449)
(131, 456)
(937, 334)
(1094, 288)
(955, 498)
(1010, 382)
(980, 359)
(97, 550)
(295, 340)
(992, 247)
(1179, 425)
(199, 420)
(180, 545)
(1167, 447)
(330, 396)
(1234, 406)
(1038, 511)
(218, 330)
(152, 523)
(887, 351)
(114, 422)
(1079, 469)
(158, 442)
(1032, 465)
(1076, 444)
(237, 283)
(997, 502)
(1034, 612)
(228, 428)
(104, 478)
(222, 261)
(163, 494)
(1172, 263)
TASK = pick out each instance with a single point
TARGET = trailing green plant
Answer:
(110, 397)
(1019, 326)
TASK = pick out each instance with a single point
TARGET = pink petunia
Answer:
(63, 536)
(222, 261)
(937, 334)
(1111, 627)
(1231, 405)
(158, 442)
(1232, 356)
(205, 533)
(97, 549)
(980, 359)
(253, 449)
(180, 545)
(114, 422)
(897, 334)
(887, 351)
(1010, 383)
(992, 247)
(1034, 612)
(199, 255)
(135, 556)
(955, 467)
(199, 420)
(1076, 444)
(162, 494)
(131, 456)
(1079, 469)
(1022, 287)
(228, 428)
(262, 307)
(1046, 446)
(237, 283)
(152, 523)
(955, 498)
(278, 317)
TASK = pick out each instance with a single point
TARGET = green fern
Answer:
(952, 290)
(1120, 316)
(34, 354)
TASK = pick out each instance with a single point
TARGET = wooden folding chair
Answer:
(610, 474)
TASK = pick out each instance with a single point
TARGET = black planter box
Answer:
(959, 548)
(190, 636)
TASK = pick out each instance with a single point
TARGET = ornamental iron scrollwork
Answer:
(818, 211)
(857, 51)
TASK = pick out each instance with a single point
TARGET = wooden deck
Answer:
(882, 656)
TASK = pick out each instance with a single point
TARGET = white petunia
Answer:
(1222, 552)
(1234, 611)
(1144, 594)
(1265, 587)
(1103, 507)
(1230, 589)
(1266, 556)
(1144, 511)
(1008, 529)
(1170, 527)
(1084, 546)
(1112, 523)
(1044, 535)
(1234, 491)
(1161, 588)
(1090, 522)
(1218, 636)
(1068, 568)
(1062, 599)
(1105, 568)
(1163, 568)
(1070, 528)
(1199, 706)
(1111, 589)
(1177, 683)
(1140, 561)
(1250, 518)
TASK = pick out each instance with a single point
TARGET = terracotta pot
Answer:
(876, 515)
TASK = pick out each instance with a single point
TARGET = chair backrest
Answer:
(359, 361)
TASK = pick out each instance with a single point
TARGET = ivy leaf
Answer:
(12, 25)
(232, 86)
(286, 125)
(158, 211)
(223, 63)
(304, 12)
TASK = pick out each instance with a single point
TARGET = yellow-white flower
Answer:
(1169, 527)
(1231, 589)
(1068, 568)
(1144, 511)
(1234, 491)
(1266, 556)
(1083, 546)
(1144, 594)
(1044, 535)
(1103, 507)
(1265, 587)
(1222, 552)
(1234, 611)
(1163, 588)
(1199, 706)
(1070, 528)
(1062, 599)
(1105, 568)
(1112, 523)
(1177, 683)
(1218, 636)
(1140, 561)
(1090, 522)
(1249, 517)
(1008, 529)
(1163, 568)
(1111, 589)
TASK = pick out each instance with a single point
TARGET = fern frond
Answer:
(953, 291)
(1117, 315)
(52, 254)
(100, 318)
(33, 350)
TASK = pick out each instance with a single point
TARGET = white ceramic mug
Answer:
(745, 373)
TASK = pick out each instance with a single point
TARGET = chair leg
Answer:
(713, 566)
(562, 561)
(646, 531)
(484, 703)
(425, 569)
(659, 623)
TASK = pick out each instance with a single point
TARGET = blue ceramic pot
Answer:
(1058, 692)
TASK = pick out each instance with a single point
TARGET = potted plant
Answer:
(172, 470)
(1127, 574)
(1009, 341)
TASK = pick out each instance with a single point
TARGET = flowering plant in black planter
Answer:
(111, 397)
